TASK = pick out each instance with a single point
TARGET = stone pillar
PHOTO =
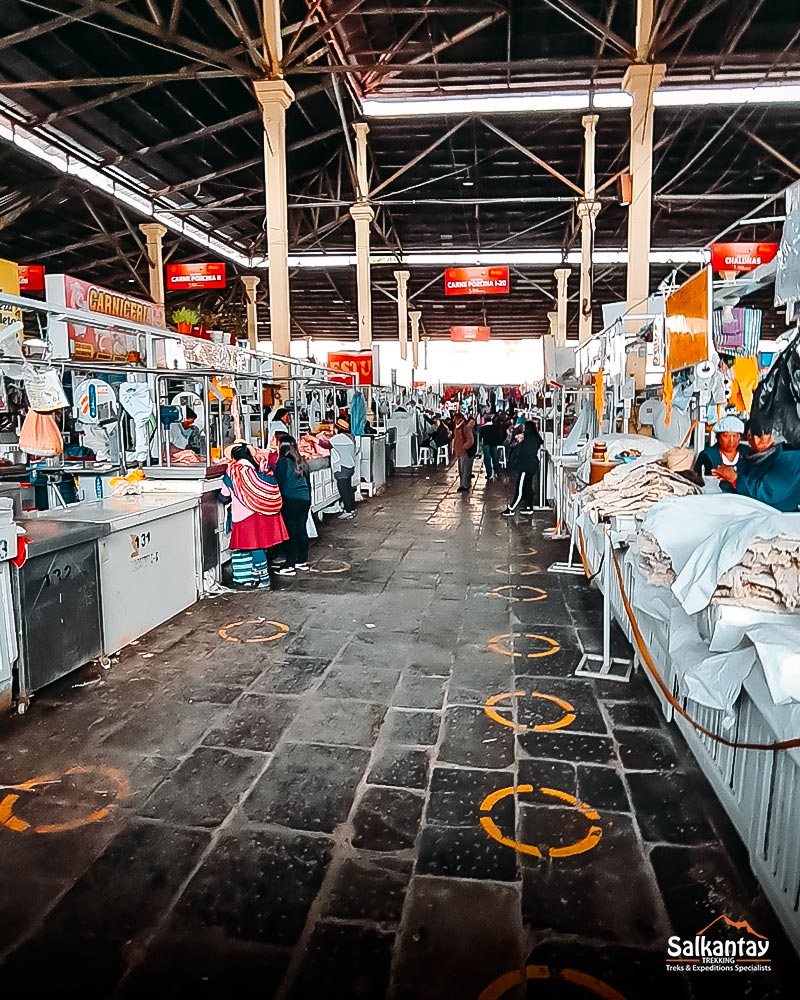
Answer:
(562, 277)
(640, 81)
(362, 215)
(414, 315)
(275, 96)
(587, 213)
(401, 277)
(250, 282)
(154, 233)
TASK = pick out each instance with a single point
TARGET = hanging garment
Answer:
(135, 399)
(40, 435)
(358, 413)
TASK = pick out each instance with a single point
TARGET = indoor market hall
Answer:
(382, 779)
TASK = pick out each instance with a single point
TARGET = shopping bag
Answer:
(311, 527)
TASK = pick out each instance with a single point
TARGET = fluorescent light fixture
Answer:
(698, 97)
(507, 103)
(312, 260)
(612, 99)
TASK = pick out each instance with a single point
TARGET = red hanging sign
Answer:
(476, 281)
(467, 334)
(353, 364)
(741, 257)
(31, 277)
(195, 277)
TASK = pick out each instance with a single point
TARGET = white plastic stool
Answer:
(425, 456)
(501, 455)
(443, 454)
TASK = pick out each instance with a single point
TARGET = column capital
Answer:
(589, 122)
(562, 273)
(361, 128)
(273, 92)
(643, 78)
(250, 282)
(590, 208)
(414, 315)
(401, 276)
(153, 230)
(362, 212)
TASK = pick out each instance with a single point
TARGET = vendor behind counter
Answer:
(768, 473)
(727, 450)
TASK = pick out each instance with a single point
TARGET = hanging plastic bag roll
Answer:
(44, 390)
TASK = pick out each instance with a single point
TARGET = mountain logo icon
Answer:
(738, 925)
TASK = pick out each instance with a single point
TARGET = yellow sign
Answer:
(501, 985)
(9, 284)
(579, 847)
(543, 727)
(114, 781)
(280, 632)
(688, 316)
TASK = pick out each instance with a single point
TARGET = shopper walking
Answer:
(256, 519)
(493, 434)
(463, 442)
(291, 474)
(343, 466)
(524, 461)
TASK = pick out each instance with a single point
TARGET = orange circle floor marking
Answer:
(282, 630)
(504, 983)
(543, 727)
(579, 847)
(507, 571)
(343, 568)
(540, 594)
(499, 644)
(17, 825)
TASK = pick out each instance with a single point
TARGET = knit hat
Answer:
(729, 425)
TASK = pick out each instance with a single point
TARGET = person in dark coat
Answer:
(768, 473)
(524, 461)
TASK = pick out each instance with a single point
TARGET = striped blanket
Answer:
(258, 491)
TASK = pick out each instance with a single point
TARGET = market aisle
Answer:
(312, 805)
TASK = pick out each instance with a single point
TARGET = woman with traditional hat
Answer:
(257, 524)
(728, 449)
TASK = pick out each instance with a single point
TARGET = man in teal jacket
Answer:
(768, 473)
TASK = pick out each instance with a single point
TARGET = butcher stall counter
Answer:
(149, 558)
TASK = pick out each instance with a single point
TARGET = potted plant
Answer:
(184, 319)
(207, 322)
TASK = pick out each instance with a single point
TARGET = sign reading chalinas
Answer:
(741, 257)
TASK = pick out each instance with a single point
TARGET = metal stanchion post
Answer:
(607, 663)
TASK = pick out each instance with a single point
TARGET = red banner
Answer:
(741, 257)
(31, 278)
(466, 334)
(353, 364)
(195, 277)
(476, 281)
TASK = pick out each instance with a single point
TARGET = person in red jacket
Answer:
(464, 450)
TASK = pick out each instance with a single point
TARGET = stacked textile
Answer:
(633, 489)
(769, 570)
(310, 448)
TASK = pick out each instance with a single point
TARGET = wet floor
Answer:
(382, 780)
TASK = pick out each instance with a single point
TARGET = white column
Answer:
(587, 213)
(401, 277)
(362, 215)
(640, 82)
(414, 315)
(154, 233)
(275, 96)
(250, 282)
(562, 277)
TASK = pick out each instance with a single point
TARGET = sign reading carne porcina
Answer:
(476, 281)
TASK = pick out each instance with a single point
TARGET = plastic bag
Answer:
(40, 435)
(45, 391)
(776, 400)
